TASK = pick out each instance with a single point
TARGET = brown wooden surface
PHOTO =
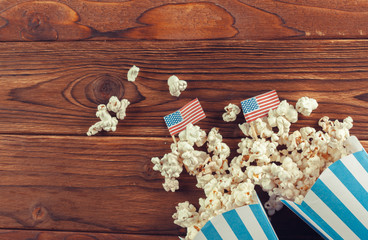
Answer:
(54, 235)
(57, 183)
(103, 184)
(54, 88)
(24, 20)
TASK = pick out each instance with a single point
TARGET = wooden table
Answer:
(60, 59)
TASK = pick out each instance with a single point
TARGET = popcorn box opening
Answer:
(247, 222)
(337, 204)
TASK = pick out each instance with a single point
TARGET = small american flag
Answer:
(192, 112)
(258, 106)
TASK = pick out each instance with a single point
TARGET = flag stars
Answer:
(173, 119)
(249, 105)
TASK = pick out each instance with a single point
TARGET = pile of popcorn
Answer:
(283, 164)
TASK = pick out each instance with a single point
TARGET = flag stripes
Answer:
(192, 112)
(259, 106)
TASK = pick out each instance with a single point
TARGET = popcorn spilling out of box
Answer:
(247, 222)
(321, 175)
(285, 164)
(337, 204)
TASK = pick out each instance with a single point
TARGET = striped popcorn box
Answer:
(337, 204)
(247, 222)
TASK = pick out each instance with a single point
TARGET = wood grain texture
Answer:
(54, 88)
(87, 184)
(58, 235)
(58, 184)
(54, 235)
(24, 20)
(103, 184)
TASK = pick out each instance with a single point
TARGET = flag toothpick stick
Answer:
(253, 130)
(177, 121)
(173, 137)
(258, 107)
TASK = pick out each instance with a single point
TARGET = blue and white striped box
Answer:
(247, 222)
(337, 204)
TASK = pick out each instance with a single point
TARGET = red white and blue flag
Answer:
(192, 112)
(258, 106)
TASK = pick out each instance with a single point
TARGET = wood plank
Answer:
(54, 88)
(103, 184)
(23, 20)
(54, 235)
(57, 235)
(87, 184)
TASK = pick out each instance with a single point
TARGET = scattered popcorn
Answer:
(176, 86)
(94, 129)
(107, 122)
(306, 105)
(231, 111)
(171, 184)
(132, 73)
(284, 164)
(118, 107)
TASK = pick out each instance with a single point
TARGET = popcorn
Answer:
(282, 117)
(118, 107)
(285, 110)
(338, 130)
(185, 215)
(261, 127)
(306, 105)
(194, 161)
(107, 122)
(256, 150)
(215, 144)
(170, 167)
(176, 86)
(193, 134)
(243, 194)
(231, 111)
(283, 164)
(308, 152)
(94, 129)
(132, 73)
(171, 184)
(273, 204)
(237, 173)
